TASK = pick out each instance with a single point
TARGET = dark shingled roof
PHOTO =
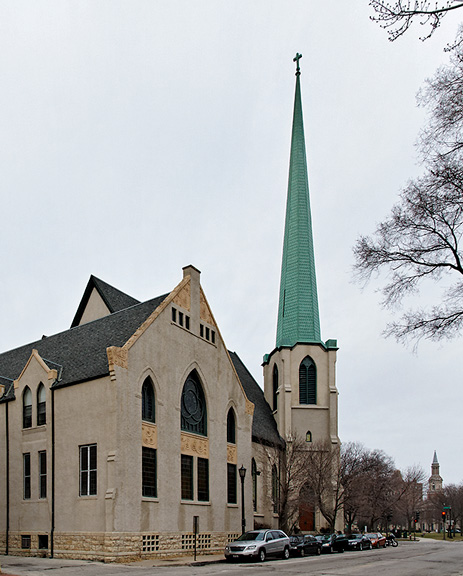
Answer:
(264, 427)
(114, 299)
(79, 354)
(81, 351)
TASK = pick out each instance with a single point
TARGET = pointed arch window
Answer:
(307, 382)
(27, 408)
(254, 475)
(148, 412)
(41, 405)
(275, 387)
(193, 406)
(275, 489)
(308, 436)
(231, 427)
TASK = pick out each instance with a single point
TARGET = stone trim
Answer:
(193, 445)
(120, 546)
(149, 434)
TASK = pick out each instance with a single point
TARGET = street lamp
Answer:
(242, 472)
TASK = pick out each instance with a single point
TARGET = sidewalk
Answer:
(17, 565)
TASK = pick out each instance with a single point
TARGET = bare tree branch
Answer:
(397, 17)
(421, 239)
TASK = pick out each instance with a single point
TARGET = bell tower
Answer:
(299, 374)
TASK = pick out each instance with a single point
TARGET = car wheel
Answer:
(286, 553)
(262, 555)
(302, 552)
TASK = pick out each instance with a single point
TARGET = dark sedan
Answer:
(333, 542)
(302, 545)
(359, 542)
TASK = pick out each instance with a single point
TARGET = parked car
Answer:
(258, 544)
(301, 545)
(333, 542)
(377, 539)
(359, 542)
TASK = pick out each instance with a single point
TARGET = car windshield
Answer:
(252, 536)
(324, 537)
(371, 535)
(296, 538)
(356, 537)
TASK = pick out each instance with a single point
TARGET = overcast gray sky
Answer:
(139, 137)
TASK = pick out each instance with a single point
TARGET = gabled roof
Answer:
(114, 299)
(81, 351)
(264, 427)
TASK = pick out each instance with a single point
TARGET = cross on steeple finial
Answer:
(296, 59)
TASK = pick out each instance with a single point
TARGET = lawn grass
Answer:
(439, 536)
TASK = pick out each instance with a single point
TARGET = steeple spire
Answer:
(298, 315)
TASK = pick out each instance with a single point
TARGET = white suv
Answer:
(259, 544)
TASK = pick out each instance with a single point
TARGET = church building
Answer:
(121, 433)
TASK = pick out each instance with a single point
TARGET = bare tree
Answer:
(397, 17)
(379, 486)
(353, 464)
(324, 476)
(410, 494)
(421, 239)
(288, 467)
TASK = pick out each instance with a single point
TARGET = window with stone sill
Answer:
(88, 470)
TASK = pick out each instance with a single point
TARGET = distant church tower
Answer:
(299, 375)
(435, 481)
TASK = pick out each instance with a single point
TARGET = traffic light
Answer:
(443, 514)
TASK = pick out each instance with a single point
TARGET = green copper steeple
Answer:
(298, 317)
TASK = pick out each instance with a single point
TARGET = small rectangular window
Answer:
(213, 336)
(231, 484)
(25, 541)
(180, 318)
(187, 322)
(42, 474)
(207, 333)
(26, 476)
(187, 477)
(201, 330)
(174, 315)
(203, 479)
(88, 470)
(149, 480)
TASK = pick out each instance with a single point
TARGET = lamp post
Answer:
(242, 472)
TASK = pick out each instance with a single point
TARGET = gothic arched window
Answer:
(275, 489)
(148, 412)
(254, 475)
(275, 387)
(27, 408)
(307, 382)
(41, 405)
(193, 407)
(231, 427)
